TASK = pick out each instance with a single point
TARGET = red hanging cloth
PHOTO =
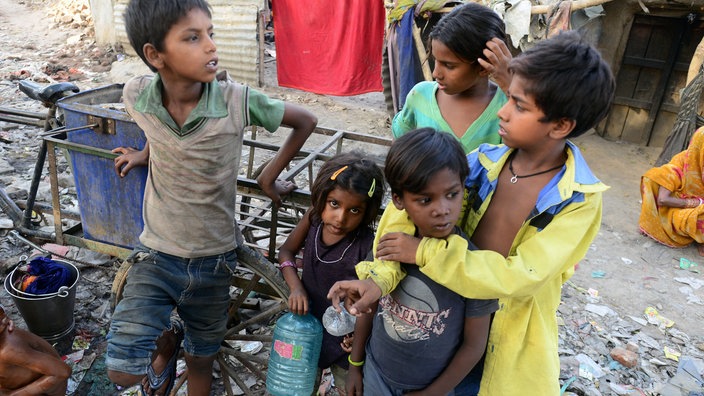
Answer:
(330, 47)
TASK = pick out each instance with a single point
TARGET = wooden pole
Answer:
(696, 62)
(576, 5)
(422, 53)
(536, 9)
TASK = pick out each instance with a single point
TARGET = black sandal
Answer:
(169, 374)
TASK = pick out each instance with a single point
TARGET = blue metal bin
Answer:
(110, 206)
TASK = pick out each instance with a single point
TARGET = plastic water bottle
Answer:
(338, 323)
(293, 360)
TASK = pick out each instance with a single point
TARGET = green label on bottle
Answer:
(288, 351)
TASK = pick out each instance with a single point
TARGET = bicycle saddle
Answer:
(47, 94)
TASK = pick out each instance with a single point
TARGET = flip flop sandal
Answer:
(169, 374)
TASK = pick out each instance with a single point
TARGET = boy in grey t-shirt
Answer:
(424, 336)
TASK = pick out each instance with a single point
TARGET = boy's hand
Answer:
(275, 189)
(129, 159)
(361, 293)
(498, 56)
(397, 246)
(354, 380)
(346, 343)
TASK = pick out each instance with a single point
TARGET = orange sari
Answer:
(675, 227)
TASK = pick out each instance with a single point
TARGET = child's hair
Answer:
(148, 21)
(360, 175)
(418, 155)
(567, 78)
(466, 29)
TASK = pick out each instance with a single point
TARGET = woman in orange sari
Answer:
(672, 212)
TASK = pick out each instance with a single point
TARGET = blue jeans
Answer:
(199, 289)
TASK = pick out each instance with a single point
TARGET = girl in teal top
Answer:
(468, 47)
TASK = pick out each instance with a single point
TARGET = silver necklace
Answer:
(317, 237)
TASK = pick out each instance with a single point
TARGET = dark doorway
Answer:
(653, 71)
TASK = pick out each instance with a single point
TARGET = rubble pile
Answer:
(73, 14)
(603, 352)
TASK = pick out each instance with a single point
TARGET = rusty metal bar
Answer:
(112, 250)
(81, 148)
(54, 179)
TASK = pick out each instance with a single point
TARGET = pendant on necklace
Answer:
(514, 179)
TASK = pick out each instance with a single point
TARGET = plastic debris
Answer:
(657, 362)
(686, 264)
(671, 353)
(624, 390)
(655, 318)
(638, 320)
(588, 368)
(593, 293)
(338, 323)
(694, 282)
(600, 310)
(598, 274)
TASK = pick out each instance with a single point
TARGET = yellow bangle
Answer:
(352, 362)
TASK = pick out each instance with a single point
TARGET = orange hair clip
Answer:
(337, 172)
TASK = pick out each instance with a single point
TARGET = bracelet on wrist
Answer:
(352, 362)
(287, 263)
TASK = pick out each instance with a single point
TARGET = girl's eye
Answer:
(193, 38)
(355, 211)
(334, 204)
(452, 194)
(212, 35)
(423, 201)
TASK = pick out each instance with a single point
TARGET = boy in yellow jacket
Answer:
(533, 208)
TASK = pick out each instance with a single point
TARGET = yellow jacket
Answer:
(521, 357)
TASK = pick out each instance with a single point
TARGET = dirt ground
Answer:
(629, 271)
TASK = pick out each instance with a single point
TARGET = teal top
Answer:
(421, 111)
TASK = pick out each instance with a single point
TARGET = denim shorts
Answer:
(199, 290)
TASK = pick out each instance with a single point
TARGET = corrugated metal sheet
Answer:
(235, 23)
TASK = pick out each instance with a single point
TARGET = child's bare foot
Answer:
(161, 374)
(700, 249)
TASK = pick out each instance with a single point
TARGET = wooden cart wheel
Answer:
(263, 296)
(260, 296)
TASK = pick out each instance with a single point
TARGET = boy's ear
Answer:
(563, 127)
(152, 56)
(396, 199)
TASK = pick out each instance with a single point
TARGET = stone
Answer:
(625, 357)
